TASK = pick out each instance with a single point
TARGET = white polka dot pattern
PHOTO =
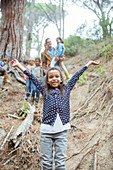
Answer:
(56, 102)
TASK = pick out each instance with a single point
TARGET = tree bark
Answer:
(12, 29)
(30, 27)
(63, 19)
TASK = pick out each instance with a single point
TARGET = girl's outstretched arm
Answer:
(15, 63)
(34, 79)
(71, 83)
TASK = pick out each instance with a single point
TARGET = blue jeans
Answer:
(35, 90)
(46, 143)
(28, 88)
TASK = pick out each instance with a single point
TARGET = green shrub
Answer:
(74, 44)
(83, 78)
(106, 51)
(100, 70)
(23, 109)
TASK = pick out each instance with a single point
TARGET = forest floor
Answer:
(90, 140)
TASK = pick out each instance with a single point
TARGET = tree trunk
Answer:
(63, 19)
(12, 29)
(60, 17)
(30, 26)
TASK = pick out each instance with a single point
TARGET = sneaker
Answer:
(37, 99)
(32, 100)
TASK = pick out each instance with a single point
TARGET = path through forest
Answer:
(90, 140)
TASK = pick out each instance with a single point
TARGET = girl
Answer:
(37, 70)
(59, 52)
(56, 113)
(28, 82)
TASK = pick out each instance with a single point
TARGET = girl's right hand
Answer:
(14, 63)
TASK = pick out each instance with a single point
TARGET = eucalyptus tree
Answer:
(103, 9)
(55, 13)
(11, 34)
(30, 13)
(34, 29)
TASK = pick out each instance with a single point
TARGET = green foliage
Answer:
(74, 44)
(23, 109)
(90, 69)
(83, 78)
(100, 70)
(106, 51)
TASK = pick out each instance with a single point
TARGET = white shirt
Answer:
(57, 127)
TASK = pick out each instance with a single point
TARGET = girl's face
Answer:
(58, 41)
(54, 78)
(31, 62)
(5, 62)
(37, 62)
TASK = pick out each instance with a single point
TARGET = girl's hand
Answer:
(14, 63)
(56, 58)
(92, 63)
(45, 71)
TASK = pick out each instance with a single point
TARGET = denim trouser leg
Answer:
(37, 93)
(35, 90)
(46, 142)
(28, 88)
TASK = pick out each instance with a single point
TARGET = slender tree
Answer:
(102, 9)
(30, 28)
(11, 37)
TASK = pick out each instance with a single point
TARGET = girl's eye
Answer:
(51, 77)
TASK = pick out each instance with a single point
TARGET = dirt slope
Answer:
(91, 136)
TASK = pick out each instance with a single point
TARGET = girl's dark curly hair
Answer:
(48, 88)
(60, 40)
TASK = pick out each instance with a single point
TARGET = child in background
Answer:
(3, 69)
(56, 113)
(59, 52)
(28, 82)
(37, 70)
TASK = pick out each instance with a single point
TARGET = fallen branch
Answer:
(83, 147)
(85, 104)
(23, 128)
(82, 158)
(95, 161)
(85, 155)
(6, 138)
(9, 160)
(17, 75)
(16, 117)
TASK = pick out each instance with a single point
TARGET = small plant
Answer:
(100, 70)
(106, 51)
(90, 69)
(83, 78)
(23, 109)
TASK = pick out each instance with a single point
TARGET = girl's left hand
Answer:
(92, 63)
(95, 62)
(56, 58)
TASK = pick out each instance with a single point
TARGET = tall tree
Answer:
(102, 9)
(11, 37)
(55, 14)
(30, 27)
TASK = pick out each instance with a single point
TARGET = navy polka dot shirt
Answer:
(56, 103)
